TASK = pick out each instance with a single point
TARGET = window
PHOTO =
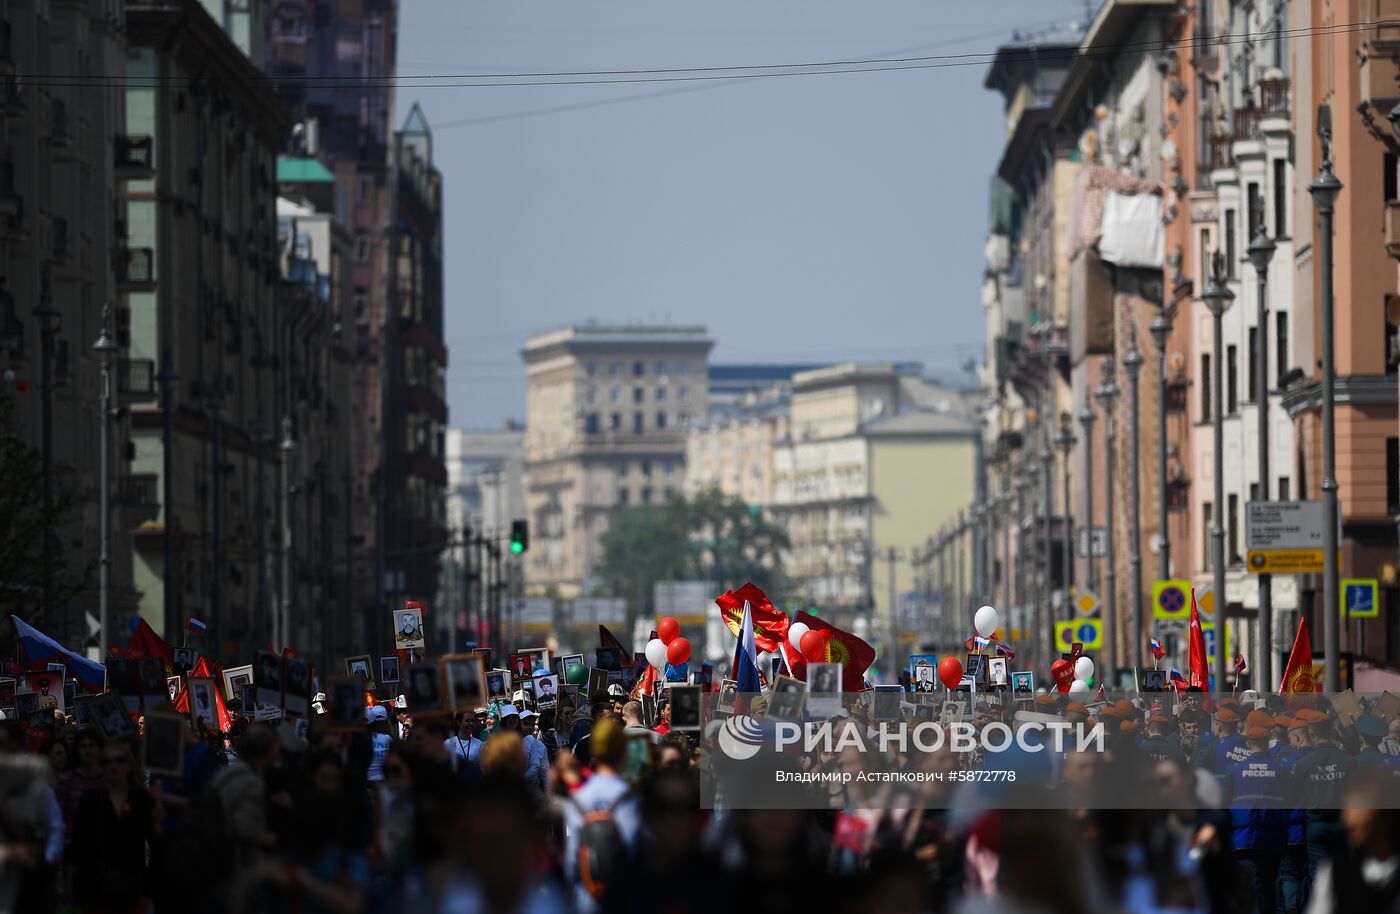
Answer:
(1283, 493)
(1388, 176)
(660, 395)
(646, 468)
(590, 424)
(1206, 518)
(683, 419)
(1281, 345)
(646, 495)
(660, 368)
(639, 395)
(1203, 259)
(361, 306)
(615, 421)
(591, 369)
(1206, 378)
(1232, 380)
(615, 395)
(364, 188)
(1252, 382)
(592, 395)
(1256, 209)
(361, 248)
(639, 369)
(1280, 198)
(683, 368)
(1392, 476)
(638, 423)
(1254, 491)
(1232, 530)
(1232, 252)
(622, 496)
(661, 420)
(614, 369)
(1302, 472)
(669, 467)
(622, 470)
(683, 394)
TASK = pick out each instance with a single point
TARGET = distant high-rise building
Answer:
(608, 412)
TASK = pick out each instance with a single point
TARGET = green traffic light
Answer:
(517, 547)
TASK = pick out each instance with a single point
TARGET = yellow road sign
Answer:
(1284, 561)
(1171, 599)
(1359, 597)
(1086, 603)
(1088, 632)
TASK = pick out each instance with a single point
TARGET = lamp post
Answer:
(170, 577)
(1261, 252)
(213, 408)
(284, 613)
(1004, 502)
(1086, 422)
(1022, 590)
(1107, 395)
(1065, 440)
(1161, 330)
(106, 349)
(1218, 297)
(1132, 366)
(1325, 189)
(1045, 618)
(47, 315)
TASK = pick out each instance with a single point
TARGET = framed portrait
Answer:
(575, 672)
(347, 698)
(7, 691)
(163, 745)
(497, 684)
(408, 628)
(923, 673)
(70, 693)
(1023, 685)
(787, 699)
(112, 718)
(996, 671)
(608, 658)
(823, 689)
(1154, 680)
(485, 654)
(26, 703)
(296, 687)
(267, 679)
(185, 659)
(234, 679)
(151, 674)
(887, 700)
(520, 669)
(389, 669)
(569, 698)
(976, 668)
(423, 688)
(466, 686)
(172, 685)
(705, 676)
(648, 710)
(685, 707)
(360, 666)
(597, 684)
(546, 692)
(728, 696)
(46, 684)
(204, 706)
(82, 710)
(125, 679)
(954, 711)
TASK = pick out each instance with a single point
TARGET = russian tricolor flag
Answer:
(195, 627)
(1157, 650)
(38, 648)
(745, 668)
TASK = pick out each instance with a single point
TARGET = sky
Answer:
(800, 219)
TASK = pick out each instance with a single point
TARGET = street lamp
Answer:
(1261, 252)
(1161, 330)
(1217, 296)
(1325, 189)
(170, 577)
(1044, 616)
(1107, 395)
(1065, 440)
(284, 614)
(106, 349)
(1086, 422)
(1132, 365)
(47, 315)
(1023, 486)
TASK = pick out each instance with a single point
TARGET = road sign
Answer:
(1205, 603)
(1208, 632)
(1171, 599)
(1359, 597)
(1088, 632)
(1086, 603)
(1100, 542)
(1284, 561)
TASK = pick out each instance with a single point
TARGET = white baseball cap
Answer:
(508, 710)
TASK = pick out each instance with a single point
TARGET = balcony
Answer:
(1177, 392)
(135, 157)
(136, 380)
(1272, 97)
(136, 270)
(138, 495)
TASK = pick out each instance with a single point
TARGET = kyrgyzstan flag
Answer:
(854, 655)
(769, 625)
(1298, 675)
(1200, 666)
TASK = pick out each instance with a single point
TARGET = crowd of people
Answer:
(518, 809)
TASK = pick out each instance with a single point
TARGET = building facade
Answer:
(608, 412)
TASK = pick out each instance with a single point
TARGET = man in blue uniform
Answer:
(1318, 778)
(1293, 869)
(1257, 817)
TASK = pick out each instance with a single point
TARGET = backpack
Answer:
(602, 854)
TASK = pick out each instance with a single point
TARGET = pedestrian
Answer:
(241, 789)
(632, 723)
(115, 828)
(1293, 865)
(379, 727)
(601, 820)
(1318, 778)
(1258, 819)
(1362, 872)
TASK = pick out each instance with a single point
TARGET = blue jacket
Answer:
(1297, 816)
(1229, 752)
(1258, 817)
(1318, 777)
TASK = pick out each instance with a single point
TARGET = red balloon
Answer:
(950, 671)
(813, 645)
(678, 651)
(1063, 673)
(667, 629)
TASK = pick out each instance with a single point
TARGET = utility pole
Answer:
(170, 573)
(1261, 252)
(1108, 396)
(285, 449)
(106, 349)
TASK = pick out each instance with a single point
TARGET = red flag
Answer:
(1200, 666)
(854, 655)
(146, 643)
(202, 670)
(608, 639)
(645, 685)
(770, 626)
(1298, 675)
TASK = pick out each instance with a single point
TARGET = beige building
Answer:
(735, 451)
(608, 409)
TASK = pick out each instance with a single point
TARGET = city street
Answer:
(800, 456)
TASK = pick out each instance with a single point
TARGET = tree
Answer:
(23, 523)
(712, 536)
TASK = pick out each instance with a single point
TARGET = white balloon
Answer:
(795, 632)
(1084, 668)
(656, 653)
(1079, 687)
(985, 621)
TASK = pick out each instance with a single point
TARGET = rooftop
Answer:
(618, 334)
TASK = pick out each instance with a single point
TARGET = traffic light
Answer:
(519, 536)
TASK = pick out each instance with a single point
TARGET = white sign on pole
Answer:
(1283, 525)
(1099, 537)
